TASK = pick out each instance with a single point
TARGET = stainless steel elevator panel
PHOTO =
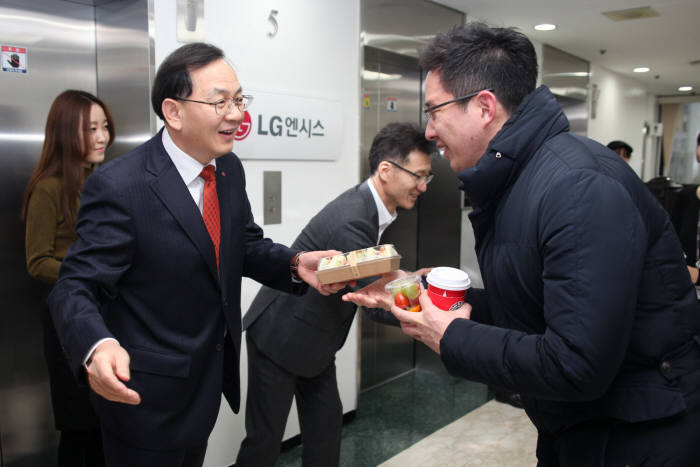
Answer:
(60, 41)
(568, 77)
(393, 33)
(62, 53)
(125, 68)
(391, 93)
(391, 81)
(405, 26)
(428, 235)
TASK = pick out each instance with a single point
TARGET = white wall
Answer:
(624, 106)
(314, 54)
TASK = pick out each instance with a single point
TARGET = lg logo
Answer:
(244, 128)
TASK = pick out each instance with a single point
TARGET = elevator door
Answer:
(391, 90)
(64, 44)
(59, 42)
(429, 234)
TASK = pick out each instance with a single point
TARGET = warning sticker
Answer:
(14, 59)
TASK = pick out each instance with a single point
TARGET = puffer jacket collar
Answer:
(537, 118)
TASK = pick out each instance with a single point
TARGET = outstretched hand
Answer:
(308, 263)
(108, 367)
(374, 295)
(429, 324)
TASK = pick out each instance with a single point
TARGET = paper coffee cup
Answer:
(447, 287)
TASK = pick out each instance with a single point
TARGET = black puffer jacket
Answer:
(588, 310)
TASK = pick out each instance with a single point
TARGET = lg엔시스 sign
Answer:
(283, 126)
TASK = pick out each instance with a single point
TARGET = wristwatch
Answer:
(294, 267)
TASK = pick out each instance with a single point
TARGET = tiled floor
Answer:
(495, 434)
(393, 417)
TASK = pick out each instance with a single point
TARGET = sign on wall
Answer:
(283, 126)
(14, 59)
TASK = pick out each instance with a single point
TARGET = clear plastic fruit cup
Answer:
(405, 292)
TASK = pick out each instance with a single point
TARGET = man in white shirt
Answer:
(292, 340)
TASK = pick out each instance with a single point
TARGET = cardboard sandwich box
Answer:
(358, 264)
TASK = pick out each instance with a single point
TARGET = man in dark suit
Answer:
(148, 300)
(292, 340)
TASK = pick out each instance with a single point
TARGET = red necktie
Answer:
(210, 208)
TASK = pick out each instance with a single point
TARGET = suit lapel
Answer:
(169, 187)
(371, 209)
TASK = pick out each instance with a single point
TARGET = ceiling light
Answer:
(545, 27)
(685, 88)
(641, 69)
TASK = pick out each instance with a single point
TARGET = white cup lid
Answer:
(449, 278)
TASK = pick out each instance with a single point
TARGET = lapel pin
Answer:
(223, 174)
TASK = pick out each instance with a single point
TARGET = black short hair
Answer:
(173, 76)
(617, 144)
(476, 56)
(395, 142)
(698, 139)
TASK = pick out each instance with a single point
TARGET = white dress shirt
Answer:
(188, 167)
(384, 217)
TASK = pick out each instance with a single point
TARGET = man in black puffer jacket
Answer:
(587, 309)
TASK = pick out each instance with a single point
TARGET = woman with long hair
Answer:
(79, 128)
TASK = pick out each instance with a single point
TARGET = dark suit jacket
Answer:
(144, 271)
(303, 333)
